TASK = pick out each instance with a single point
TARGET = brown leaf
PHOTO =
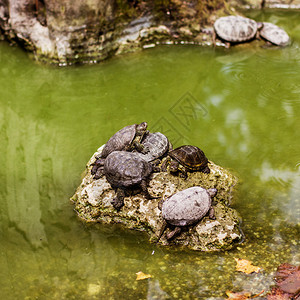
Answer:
(284, 271)
(245, 266)
(291, 284)
(141, 276)
(278, 294)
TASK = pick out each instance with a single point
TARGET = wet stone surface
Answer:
(92, 201)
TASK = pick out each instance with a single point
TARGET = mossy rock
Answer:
(92, 201)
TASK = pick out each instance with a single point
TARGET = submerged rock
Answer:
(92, 201)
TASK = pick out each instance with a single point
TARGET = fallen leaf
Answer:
(141, 276)
(245, 266)
(238, 296)
(284, 271)
(291, 284)
(278, 294)
(241, 295)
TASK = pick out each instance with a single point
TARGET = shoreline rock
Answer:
(87, 32)
(92, 201)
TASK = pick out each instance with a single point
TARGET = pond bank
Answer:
(93, 31)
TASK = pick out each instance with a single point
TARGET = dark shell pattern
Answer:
(157, 144)
(125, 169)
(274, 34)
(235, 28)
(119, 140)
(189, 156)
(186, 207)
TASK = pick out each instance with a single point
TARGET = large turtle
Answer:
(235, 29)
(274, 34)
(185, 208)
(126, 139)
(186, 158)
(157, 145)
(125, 170)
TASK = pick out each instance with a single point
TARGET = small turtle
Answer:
(274, 34)
(158, 145)
(127, 139)
(235, 29)
(185, 208)
(125, 170)
(186, 158)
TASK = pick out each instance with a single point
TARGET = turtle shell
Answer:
(186, 207)
(125, 169)
(189, 156)
(235, 28)
(119, 140)
(157, 144)
(274, 34)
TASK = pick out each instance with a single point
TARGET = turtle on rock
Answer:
(125, 170)
(235, 29)
(185, 158)
(185, 208)
(273, 34)
(158, 146)
(126, 139)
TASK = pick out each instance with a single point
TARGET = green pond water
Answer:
(241, 106)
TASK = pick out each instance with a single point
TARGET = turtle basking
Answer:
(126, 139)
(235, 29)
(273, 34)
(158, 145)
(186, 208)
(124, 170)
(186, 158)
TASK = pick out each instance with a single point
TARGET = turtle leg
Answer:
(183, 172)
(211, 213)
(176, 231)
(206, 170)
(145, 190)
(164, 165)
(162, 230)
(99, 162)
(155, 165)
(99, 173)
(118, 201)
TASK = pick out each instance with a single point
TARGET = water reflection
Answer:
(52, 120)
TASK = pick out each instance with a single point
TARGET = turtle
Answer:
(235, 29)
(124, 170)
(185, 208)
(273, 34)
(158, 145)
(186, 158)
(127, 139)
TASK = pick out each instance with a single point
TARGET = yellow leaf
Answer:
(241, 295)
(141, 276)
(238, 296)
(245, 266)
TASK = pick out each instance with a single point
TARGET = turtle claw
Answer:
(117, 203)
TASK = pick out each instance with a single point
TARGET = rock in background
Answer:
(92, 201)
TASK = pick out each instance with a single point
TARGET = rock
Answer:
(92, 201)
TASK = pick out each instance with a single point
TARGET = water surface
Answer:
(241, 106)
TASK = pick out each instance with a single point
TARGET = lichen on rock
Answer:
(92, 201)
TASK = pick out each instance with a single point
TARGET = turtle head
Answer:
(260, 25)
(142, 127)
(173, 166)
(212, 192)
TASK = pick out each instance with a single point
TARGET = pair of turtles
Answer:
(237, 29)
